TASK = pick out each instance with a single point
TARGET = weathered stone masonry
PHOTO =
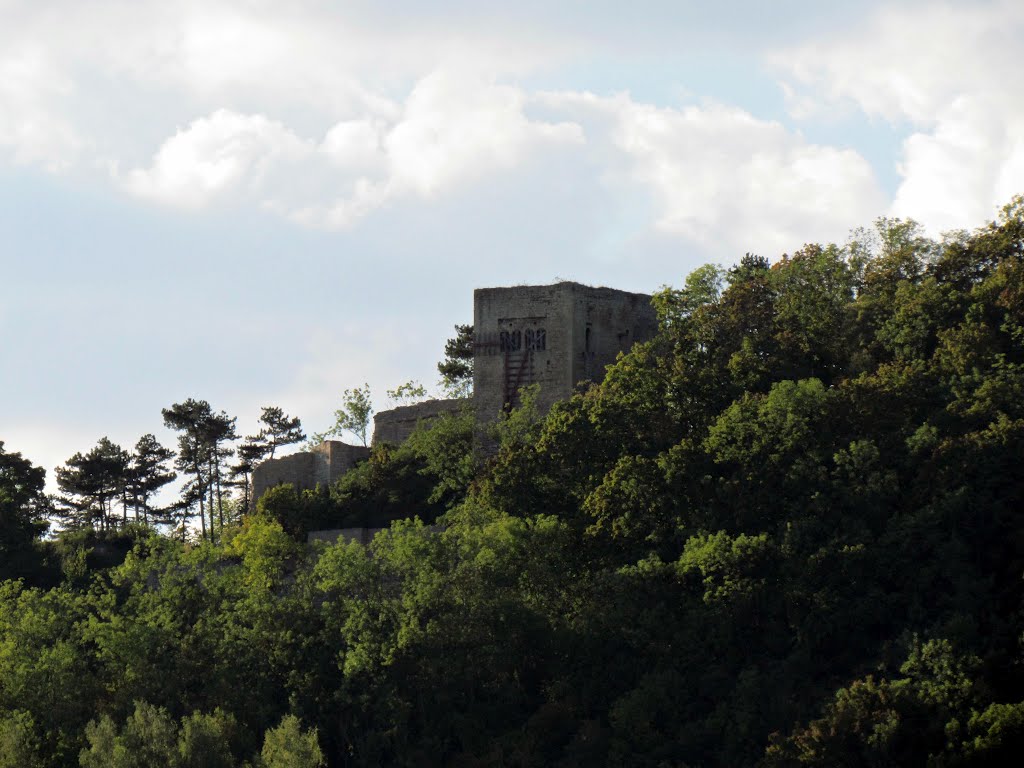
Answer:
(552, 335)
(308, 469)
(395, 425)
(332, 458)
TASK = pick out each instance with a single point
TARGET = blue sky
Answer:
(262, 203)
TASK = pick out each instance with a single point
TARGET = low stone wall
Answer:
(307, 469)
(299, 469)
(344, 535)
(395, 425)
(362, 535)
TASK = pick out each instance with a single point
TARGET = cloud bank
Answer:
(326, 116)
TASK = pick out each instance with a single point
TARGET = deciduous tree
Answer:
(353, 416)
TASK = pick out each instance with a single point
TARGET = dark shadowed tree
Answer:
(22, 507)
(202, 452)
(280, 429)
(148, 473)
(220, 433)
(92, 482)
(188, 418)
(250, 453)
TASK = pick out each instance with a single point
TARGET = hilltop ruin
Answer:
(553, 336)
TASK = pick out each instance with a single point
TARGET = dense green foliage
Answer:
(787, 531)
(22, 509)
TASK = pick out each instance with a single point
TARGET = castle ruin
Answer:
(554, 336)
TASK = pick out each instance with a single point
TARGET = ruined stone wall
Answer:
(299, 469)
(551, 335)
(395, 425)
(338, 458)
(307, 469)
(361, 535)
(344, 535)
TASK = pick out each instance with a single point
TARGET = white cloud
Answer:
(452, 131)
(356, 144)
(36, 133)
(456, 128)
(716, 175)
(719, 176)
(366, 197)
(216, 155)
(950, 72)
(956, 175)
(115, 58)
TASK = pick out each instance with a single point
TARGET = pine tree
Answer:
(91, 483)
(280, 429)
(457, 367)
(148, 473)
(202, 452)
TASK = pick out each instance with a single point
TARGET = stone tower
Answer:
(551, 335)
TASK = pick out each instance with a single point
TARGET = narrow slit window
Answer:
(503, 341)
(529, 338)
(515, 341)
(541, 339)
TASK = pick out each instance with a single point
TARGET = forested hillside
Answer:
(787, 531)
